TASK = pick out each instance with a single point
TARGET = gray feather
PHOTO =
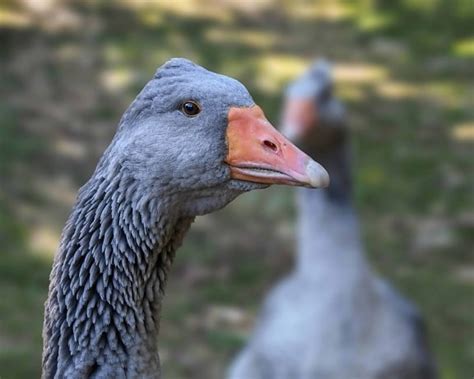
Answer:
(160, 171)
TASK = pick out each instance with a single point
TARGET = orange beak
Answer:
(258, 153)
(299, 117)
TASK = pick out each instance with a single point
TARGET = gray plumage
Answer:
(332, 317)
(160, 171)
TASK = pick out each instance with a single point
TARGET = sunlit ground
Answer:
(405, 70)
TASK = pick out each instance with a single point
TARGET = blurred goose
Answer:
(332, 317)
(190, 143)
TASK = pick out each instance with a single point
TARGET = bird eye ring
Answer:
(190, 108)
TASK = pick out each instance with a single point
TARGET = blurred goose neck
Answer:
(328, 230)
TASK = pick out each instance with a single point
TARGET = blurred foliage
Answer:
(405, 70)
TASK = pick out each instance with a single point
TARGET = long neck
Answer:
(328, 232)
(107, 283)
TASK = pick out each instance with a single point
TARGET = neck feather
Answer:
(328, 229)
(107, 283)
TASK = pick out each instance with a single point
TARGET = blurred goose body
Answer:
(332, 317)
(190, 143)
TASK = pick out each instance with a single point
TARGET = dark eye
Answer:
(190, 108)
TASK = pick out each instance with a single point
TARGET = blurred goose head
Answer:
(312, 117)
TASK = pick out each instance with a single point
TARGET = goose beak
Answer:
(258, 153)
(298, 118)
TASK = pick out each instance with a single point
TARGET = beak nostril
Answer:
(270, 145)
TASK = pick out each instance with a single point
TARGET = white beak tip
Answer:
(317, 174)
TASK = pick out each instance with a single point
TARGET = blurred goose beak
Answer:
(258, 153)
(298, 118)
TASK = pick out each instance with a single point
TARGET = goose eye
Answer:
(190, 108)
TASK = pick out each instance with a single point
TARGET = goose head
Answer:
(312, 116)
(198, 139)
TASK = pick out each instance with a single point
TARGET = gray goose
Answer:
(332, 317)
(189, 143)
